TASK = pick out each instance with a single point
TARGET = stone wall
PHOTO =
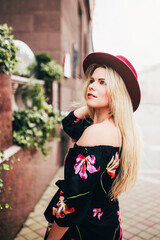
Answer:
(37, 23)
(74, 33)
(24, 185)
(5, 111)
(54, 27)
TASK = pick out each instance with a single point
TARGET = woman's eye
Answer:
(102, 82)
(91, 81)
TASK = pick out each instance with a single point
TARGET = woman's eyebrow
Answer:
(98, 78)
(101, 79)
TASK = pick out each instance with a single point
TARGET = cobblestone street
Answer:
(140, 211)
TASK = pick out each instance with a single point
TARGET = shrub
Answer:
(8, 59)
(46, 69)
(33, 126)
(33, 95)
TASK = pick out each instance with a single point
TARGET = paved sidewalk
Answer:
(35, 226)
(140, 212)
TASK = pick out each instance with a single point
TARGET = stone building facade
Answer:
(58, 27)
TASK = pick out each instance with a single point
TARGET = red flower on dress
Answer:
(97, 211)
(113, 165)
(85, 163)
(62, 209)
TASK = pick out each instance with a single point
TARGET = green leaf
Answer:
(6, 166)
(1, 183)
(7, 205)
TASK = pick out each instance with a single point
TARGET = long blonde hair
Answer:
(121, 110)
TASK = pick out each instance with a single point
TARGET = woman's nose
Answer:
(92, 86)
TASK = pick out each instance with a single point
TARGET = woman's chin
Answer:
(91, 105)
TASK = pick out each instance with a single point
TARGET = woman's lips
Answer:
(90, 95)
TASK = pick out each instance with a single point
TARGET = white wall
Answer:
(149, 80)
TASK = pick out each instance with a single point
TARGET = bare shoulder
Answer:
(100, 134)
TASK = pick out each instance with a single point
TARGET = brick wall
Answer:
(23, 186)
(37, 23)
(52, 26)
(74, 30)
(5, 111)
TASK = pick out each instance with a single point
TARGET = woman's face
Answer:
(97, 94)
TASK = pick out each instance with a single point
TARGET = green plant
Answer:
(46, 69)
(32, 127)
(8, 50)
(50, 71)
(33, 95)
(43, 58)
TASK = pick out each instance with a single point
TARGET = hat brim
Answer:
(121, 68)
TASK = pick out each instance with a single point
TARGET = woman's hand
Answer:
(81, 112)
(57, 232)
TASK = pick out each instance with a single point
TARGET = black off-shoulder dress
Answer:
(82, 201)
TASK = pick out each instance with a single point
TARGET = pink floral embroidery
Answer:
(118, 214)
(76, 121)
(80, 166)
(62, 209)
(97, 211)
(120, 229)
(112, 165)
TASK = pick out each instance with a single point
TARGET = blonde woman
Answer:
(103, 162)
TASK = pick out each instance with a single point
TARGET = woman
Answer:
(103, 162)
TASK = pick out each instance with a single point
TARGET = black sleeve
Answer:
(74, 126)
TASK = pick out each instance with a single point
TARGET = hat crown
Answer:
(125, 60)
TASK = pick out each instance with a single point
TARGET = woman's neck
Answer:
(101, 114)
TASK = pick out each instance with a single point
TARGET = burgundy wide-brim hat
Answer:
(123, 67)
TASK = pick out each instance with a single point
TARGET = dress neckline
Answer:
(97, 146)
